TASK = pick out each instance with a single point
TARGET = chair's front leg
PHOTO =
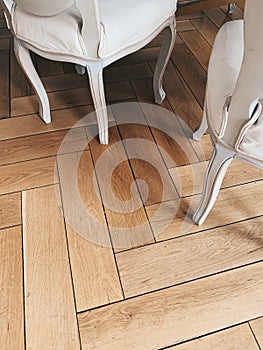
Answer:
(216, 170)
(168, 42)
(95, 72)
(25, 61)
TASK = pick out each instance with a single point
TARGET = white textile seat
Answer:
(92, 34)
(233, 109)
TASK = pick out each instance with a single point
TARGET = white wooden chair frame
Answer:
(94, 67)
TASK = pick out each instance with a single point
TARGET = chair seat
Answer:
(127, 22)
(224, 66)
(56, 34)
(122, 25)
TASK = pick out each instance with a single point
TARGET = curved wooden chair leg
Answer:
(199, 133)
(25, 61)
(217, 168)
(168, 42)
(95, 73)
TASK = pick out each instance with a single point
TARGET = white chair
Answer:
(92, 34)
(233, 103)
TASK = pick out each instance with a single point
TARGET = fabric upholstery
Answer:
(122, 23)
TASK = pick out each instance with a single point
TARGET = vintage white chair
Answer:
(92, 34)
(233, 103)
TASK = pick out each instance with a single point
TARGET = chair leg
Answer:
(168, 42)
(231, 8)
(217, 168)
(95, 73)
(81, 70)
(25, 61)
(199, 133)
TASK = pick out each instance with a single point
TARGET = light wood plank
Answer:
(183, 259)
(145, 159)
(257, 327)
(22, 176)
(238, 204)
(164, 318)
(11, 286)
(94, 272)
(38, 146)
(165, 130)
(70, 98)
(236, 338)
(126, 216)
(238, 173)
(61, 120)
(49, 304)
(10, 210)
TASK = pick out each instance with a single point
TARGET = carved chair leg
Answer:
(25, 61)
(217, 168)
(168, 42)
(199, 132)
(95, 73)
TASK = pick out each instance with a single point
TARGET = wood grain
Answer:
(235, 338)
(4, 84)
(207, 28)
(10, 210)
(187, 258)
(38, 146)
(237, 204)
(11, 286)
(125, 214)
(166, 316)
(22, 176)
(94, 272)
(257, 328)
(49, 302)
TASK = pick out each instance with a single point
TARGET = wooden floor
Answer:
(200, 290)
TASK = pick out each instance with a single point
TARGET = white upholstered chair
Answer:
(233, 103)
(92, 34)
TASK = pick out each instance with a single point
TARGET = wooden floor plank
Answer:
(183, 259)
(166, 316)
(49, 303)
(126, 217)
(22, 176)
(257, 328)
(38, 146)
(11, 286)
(217, 16)
(207, 28)
(238, 203)
(198, 46)
(47, 67)
(4, 84)
(10, 210)
(145, 159)
(236, 338)
(165, 130)
(194, 77)
(237, 174)
(94, 272)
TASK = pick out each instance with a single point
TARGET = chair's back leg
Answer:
(168, 42)
(217, 168)
(25, 61)
(95, 73)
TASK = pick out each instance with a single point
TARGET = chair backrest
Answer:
(45, 8)
(249, 87)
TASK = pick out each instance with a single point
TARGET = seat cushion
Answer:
(223, 71)
(55, 34)
(127, 22)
